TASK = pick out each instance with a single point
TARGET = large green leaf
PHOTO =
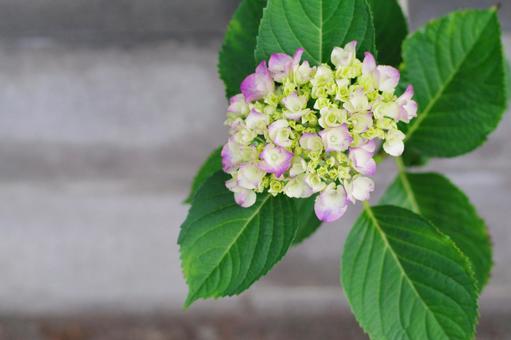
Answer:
(209, 168)
(439, 200)
(391, 29)
(406, 280)
(316, 25)
(236, 59)
(456, 65)
(225, 248)
(307, 221)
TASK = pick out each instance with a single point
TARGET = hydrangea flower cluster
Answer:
(302, 130)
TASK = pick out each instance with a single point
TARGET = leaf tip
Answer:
(190, 299)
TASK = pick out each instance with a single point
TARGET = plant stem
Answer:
(366, 205)
(400, 165)
(380, 157)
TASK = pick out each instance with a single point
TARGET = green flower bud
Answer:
(275, 187)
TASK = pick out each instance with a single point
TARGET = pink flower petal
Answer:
(229, 156)
(237, 104)
(331, 204)
(360, 188)
(257, 85)
(388, 78)
(408, 107)
(280, 65)
(336, 138)
(369, 64)
(275, 160)
(368, 145)
(362, 161)
(297, 56)
(245, 198)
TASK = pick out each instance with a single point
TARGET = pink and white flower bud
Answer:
(324, 75)
(343, 57)
(370, 73)
(238, 105)
(360, 188)
(388, 78)
(394, 144)
(298, 188)
(233, 154)
(295, 106)
(311, 142)
(408, 107)
(358, 102)
(244, 136)
(236, 125)
(257, 121)
(369, 65)
(294, 102)
(390, 110)
(362, 161)
(331, 204)
(368, 145)
(250, 176)
(275, 160)
(258, 85)
(361, 122)
(336, 139)
(298, 166)
(243, 197)
(297, 57)
(315, 182)
(303, 73)
(332, 117)
(281, 65)
(280, 133)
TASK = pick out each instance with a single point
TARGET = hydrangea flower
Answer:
(299, 130)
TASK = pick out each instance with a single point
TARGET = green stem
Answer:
(380, 157)
(366, 205)
(406, 184)
(400, 165)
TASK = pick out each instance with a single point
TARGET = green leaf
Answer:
(391, 29)
(236, 59)
(316, 25)
(405, 280)
(308, 223)
(224, 247)
(440, 201)
(412, 158)
(209, 168)
(456, 65)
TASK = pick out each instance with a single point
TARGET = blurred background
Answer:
(107, 108)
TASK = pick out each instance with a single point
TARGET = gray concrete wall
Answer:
(157, 19)
(113, 19)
